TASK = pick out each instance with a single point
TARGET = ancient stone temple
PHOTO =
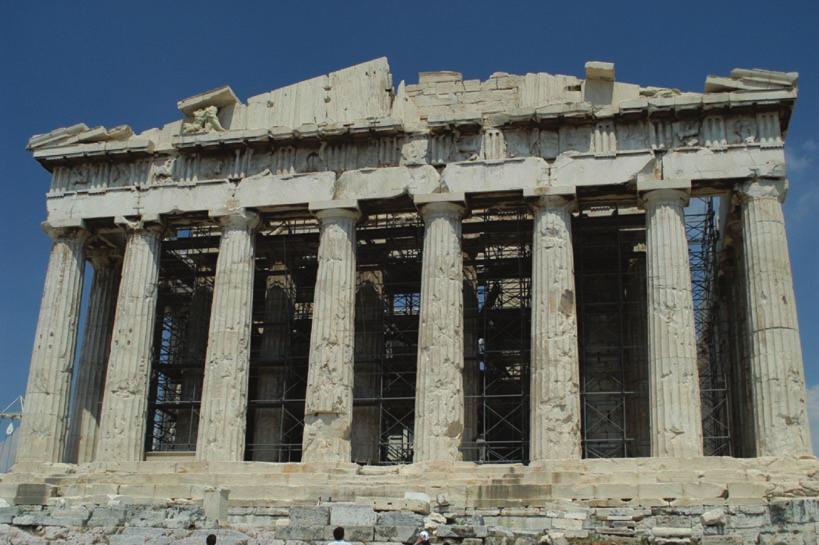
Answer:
(532, 309)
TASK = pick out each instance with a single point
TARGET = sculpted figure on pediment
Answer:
(204, 121)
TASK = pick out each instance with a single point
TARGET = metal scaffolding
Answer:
(187, 267)
(285, 275)
(498, 264)
(610, 275)
(388, 305)
(702, 234)
(609, 246)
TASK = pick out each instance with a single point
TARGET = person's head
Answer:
(211, 539)
(424, 535)
(338, 533)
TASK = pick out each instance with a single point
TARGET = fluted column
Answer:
(96, 345)
(328, 407)
(674, 391)
(439, 397)
(555, 367)
(777, 374)
(43, 432)
(222, 420)
(125, 402)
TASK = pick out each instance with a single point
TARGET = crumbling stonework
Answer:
(52, 360)
(222, 423)
(407, 277)
(329, 402)
(555, 418)
(125, 402)
(439, 391)
(777, 372)
(676, 426)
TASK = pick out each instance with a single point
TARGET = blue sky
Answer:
(108, 63)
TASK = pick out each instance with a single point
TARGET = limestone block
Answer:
(30, 493)
(215, 503)
(309, 516)
(589, 170)
(702, 490)
(476, 176)
(254, 191)
(400, 519)
(714, 517)
(7, 514)
(223, 536)
(347, 95)
(797, 511)
(109, 517)
(400, 534)
(519, 522)
(141, 536)
(352, 515)
(738, 163)
(460, 531)
(387, 182)
(74, 516)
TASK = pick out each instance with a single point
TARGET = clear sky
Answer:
(109, 63)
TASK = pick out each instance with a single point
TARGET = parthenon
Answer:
(454, 294)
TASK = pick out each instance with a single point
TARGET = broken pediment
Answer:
(755, 79)
(360, 100)
(79, 134)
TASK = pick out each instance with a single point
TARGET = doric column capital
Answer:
(560, 197)
(103, 257)
(55, 231)
(333, 210)
(653, 192)
(433, 205)
(763, 188)
(236, 218)
(134, 224)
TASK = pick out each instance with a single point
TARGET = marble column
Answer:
(125, 402)
(96, 345)
(554, 418)
(222, 418)
(674, 391)
(328, 410)
(45, 413)
(777, 374)
(439, 391)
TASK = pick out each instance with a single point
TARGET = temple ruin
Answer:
(536, 307)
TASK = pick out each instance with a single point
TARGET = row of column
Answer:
(117, 431)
